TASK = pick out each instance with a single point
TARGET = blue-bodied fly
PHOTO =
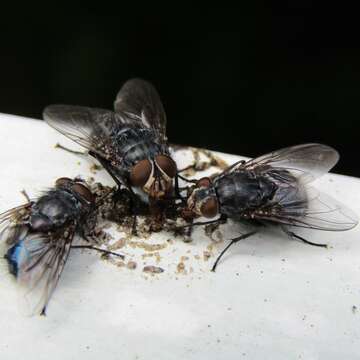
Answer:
(39, 235)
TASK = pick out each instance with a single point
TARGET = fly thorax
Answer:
(135, 144)
(54, 209)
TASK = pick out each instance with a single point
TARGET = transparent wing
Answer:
(89, 127)
(308, 207)
(14, 214)
(40, 262)
(305, 162)
(139, 100)
(12, 226)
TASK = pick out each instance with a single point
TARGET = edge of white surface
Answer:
(270, 297)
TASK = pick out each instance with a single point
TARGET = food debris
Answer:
(118, 244)
(155, 254)
(354, 309)
(94, 168)
(180, 268)
(184, 258)
(146, 246)
(206, 255)
(153, 269)
(131, 265)
(90, 180)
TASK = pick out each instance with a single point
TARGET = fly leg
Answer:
(59, 146)
(27, 197)
(233, 241)
(107, 167)
(293, 235)
(103, 251)
(221, 220)
(178, 190)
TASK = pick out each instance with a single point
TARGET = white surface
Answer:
(271, 298)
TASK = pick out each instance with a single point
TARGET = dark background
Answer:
(243, 81)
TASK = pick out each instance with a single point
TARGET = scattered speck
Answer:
(153, 269)
(206, 255)
(180, 267)
(354, 309)
(131, 265)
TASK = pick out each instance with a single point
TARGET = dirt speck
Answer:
(206, 255)
(131, 265)
(153, 269)
(146, 246)
(94, 168)
(180, 268)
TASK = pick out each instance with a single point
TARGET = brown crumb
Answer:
(90, 180)
(153, 269)
(118, 244)
(147, 247)
(184, 258)
(197, 257)
(180, 268)
(94, 168)
(206, 255)
(131, 265)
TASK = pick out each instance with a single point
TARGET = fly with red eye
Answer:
(130, 142)
(39, 236)
(273, 190)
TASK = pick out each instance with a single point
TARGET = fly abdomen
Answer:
(241, 191)
(15, 256)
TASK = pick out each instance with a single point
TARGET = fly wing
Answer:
(89, 127)
(139, 100)
(305, 162)
(308, 207)
(15, 214)
(40, 260)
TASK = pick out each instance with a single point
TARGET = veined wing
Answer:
(139, 100)
(89, 127)
(305, 162)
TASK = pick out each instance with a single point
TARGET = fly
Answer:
(130, 143)
(39, 235)
(273, 189)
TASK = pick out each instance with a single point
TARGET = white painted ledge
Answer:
(271, 298)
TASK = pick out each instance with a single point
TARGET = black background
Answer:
(243, 81)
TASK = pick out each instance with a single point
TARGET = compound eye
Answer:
(204, 182)
(83, 191)
(210, 208)
(140, 173)
(167, 165)
(64, 181)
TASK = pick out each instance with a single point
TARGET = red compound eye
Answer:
(210, 208)
(140, 173)
(167, 165)
(64, 181)
(83, 191)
